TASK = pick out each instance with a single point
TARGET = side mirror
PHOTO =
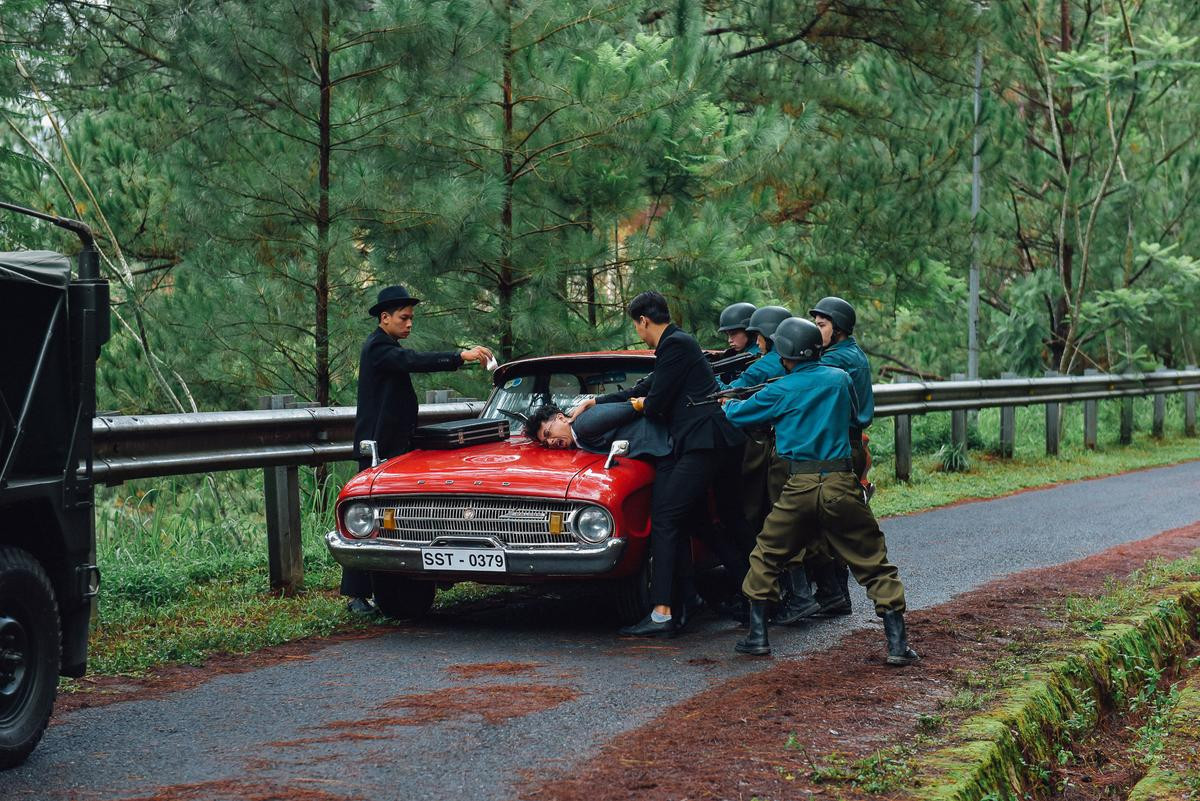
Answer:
(368, 447)
(619, 448)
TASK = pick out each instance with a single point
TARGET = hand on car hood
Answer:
(517, 467)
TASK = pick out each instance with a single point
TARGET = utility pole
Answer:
(973, 282)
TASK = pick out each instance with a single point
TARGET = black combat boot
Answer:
(800, 603)
(832, 581)
(755, 642)
(897, 640)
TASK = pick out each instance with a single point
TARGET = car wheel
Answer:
(402, 598)
(632, 595)
(30, 650)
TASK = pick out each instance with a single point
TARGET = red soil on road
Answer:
(759, 735)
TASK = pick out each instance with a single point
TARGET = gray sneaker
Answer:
(362, 607)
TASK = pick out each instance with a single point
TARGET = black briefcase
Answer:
(459, 434)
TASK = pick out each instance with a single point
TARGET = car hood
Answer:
(514, 467)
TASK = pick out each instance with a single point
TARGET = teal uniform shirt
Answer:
(847, 355)
(811, 409)
(751, 348)
(762, 371)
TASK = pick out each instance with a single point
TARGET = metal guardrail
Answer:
(279, 439)
(945, 396)
(140, 446)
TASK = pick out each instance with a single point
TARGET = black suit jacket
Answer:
(682, 373)
(599, 427)
(387, 403)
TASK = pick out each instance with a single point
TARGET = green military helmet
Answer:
(764, 320)
(736, 316)
(838, 310)
(797, 339)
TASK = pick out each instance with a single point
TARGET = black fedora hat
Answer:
(391, 297)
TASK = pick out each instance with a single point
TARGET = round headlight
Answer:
(594, 524)
(359, 519)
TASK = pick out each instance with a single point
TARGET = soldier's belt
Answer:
(828, 466)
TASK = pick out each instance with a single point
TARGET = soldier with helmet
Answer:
(760, 325)
(836, 319)
(811, 408)
(760, 470)
(734, 320)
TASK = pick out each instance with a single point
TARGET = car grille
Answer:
(516, 522)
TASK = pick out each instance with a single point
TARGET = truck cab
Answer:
(52, 326)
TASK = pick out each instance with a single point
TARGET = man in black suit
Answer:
(707, 454)
(596, 429)
(387, 402)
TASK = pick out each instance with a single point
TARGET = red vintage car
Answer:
(506, 512)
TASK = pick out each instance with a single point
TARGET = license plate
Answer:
(485, 560)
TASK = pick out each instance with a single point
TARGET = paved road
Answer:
(421, 728)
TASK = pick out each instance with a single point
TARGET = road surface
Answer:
(405, 715)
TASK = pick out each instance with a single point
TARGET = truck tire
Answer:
(402, 598)
(632, 595)
(30, 650)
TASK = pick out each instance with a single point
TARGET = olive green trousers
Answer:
(824, 508)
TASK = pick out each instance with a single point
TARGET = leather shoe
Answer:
(687, 611)
(899, 653)
(362, 607)
(648, 627)
(794, 610)
(736, 609)
(832, 581)
(799, 603)
(755, 642)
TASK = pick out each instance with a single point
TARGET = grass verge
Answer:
(1175, 773)
(1018, 728)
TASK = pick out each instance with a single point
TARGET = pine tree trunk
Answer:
(322, 282)
(1062, 344)
(506, 214)
(323, 220)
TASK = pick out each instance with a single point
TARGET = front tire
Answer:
(632, 595)
(402, 598)
(30, 653)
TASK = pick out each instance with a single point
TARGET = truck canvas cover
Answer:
(34, 329)
(43, 267)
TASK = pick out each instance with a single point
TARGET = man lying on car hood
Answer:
(596, 428)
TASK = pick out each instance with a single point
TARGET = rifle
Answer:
(735, 393)
(735, 364)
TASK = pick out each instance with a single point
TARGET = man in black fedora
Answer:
(387, 402)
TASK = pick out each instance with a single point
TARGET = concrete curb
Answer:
(997, 754)
(1169, 780)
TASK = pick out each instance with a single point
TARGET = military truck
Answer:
(52, 327)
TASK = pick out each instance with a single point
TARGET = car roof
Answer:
(573, 361)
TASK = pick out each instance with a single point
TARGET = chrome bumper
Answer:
(392, 557)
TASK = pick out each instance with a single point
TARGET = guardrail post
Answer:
(958, 420)
(1008, 426)
(1091, 417)
(1159, 424)
(903, 447)
(1189, 410)
(1053, 420)
(1126, 421)
(281, 486)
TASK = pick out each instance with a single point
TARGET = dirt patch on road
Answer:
(477, 669)
(98, 691)
(240, 790)
(770, 734)
(495, 703)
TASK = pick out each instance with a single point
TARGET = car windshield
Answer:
(519, 395)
